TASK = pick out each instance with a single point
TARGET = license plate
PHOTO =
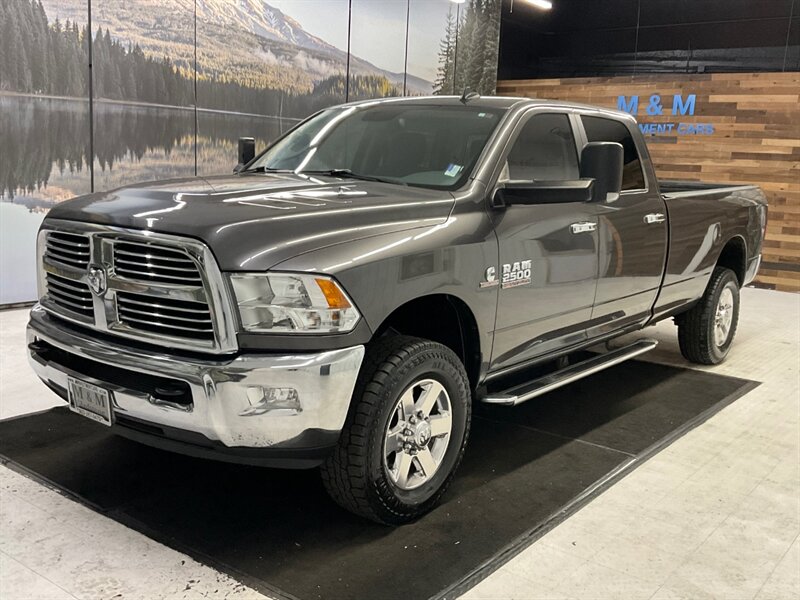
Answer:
(89, 400)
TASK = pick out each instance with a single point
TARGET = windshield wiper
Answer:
(348, 174)
(263, 169)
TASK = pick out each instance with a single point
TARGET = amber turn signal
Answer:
(334, 296)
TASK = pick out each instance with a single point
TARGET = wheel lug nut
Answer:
(412, 420)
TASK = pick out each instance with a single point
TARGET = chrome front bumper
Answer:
(227, 394)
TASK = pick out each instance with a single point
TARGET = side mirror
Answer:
(544, 192)
(603, 161)
(247, 152)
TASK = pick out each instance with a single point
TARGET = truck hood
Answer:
(252, 222)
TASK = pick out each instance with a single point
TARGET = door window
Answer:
(544, 151)
(599, 129)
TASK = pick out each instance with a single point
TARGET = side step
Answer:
(531, 389)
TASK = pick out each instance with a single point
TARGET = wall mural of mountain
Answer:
(176, 82)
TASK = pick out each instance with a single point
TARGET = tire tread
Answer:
(343, 473)
(695, 337)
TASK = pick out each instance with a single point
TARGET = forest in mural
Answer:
(38, 56)
(51, 58)
(469, 49)
(175, 83)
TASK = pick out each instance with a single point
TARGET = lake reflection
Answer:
(45, 157)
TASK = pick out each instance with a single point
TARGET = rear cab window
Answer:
(601, 129)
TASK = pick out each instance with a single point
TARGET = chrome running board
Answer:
(531, 389)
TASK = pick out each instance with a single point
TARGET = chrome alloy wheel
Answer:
(417, 434)
(723, 317)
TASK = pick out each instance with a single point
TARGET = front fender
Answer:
(384, 272)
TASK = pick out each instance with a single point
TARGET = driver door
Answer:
(548, 252)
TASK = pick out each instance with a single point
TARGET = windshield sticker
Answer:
(452, 170)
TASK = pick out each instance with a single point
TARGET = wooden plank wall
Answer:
(756, 139)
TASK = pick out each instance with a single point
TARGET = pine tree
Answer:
(488, 82)
(465, 32)
(447, 47)
(477, 46)
(129, 82)
(9, 45)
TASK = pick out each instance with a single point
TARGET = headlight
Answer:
(292, 303)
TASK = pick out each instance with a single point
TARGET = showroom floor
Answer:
(715, 515)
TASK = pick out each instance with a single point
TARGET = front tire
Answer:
(706, 332)
(405, 434)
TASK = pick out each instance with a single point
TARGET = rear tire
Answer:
(405, 433)
(706, 332)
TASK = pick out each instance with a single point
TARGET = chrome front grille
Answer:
(178, 318)
(155, 262)
(70, 295)
(68, 249)
(157, 288)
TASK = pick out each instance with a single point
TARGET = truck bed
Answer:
(673, 188)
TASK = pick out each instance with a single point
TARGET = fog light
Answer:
(264, 399)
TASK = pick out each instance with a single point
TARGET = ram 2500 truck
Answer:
(345, 297)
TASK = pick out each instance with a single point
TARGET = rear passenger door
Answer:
(548, 252)
(633, 235)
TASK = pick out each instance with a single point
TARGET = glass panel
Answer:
(143, 84)
(431, 40)
(608, 130)
(44, 128)
(377, 48)
(544, 151)
(261, 68)
(478, 40)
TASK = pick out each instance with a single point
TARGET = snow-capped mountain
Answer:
(262, 19)
(236, 39)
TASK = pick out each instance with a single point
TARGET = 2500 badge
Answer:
(513, 274)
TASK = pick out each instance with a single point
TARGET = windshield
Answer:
(427, 146)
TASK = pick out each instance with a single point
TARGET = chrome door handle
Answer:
(654, 218)
(583, 227)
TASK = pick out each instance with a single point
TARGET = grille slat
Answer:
(59, 248)
(122, 261)
(55, 289)
(156, 249)
(53, 239)
(70, 249)
(157, 306)
(156, 276)
(72, 296)
(121, 252)
(73, 286)
(161, 324)
(193, 319)
(137, 261)
(164, 315)
(70, 262)
(76, 308)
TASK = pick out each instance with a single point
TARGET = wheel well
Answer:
(734, 257)
(441, 318)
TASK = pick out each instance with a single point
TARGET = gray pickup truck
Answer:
(345, 297)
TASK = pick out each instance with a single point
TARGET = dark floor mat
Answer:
(279, 532)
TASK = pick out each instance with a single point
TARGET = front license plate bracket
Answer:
(90, 400)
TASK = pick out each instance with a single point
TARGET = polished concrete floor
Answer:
(716, 515)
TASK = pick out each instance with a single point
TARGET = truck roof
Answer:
(501, 102)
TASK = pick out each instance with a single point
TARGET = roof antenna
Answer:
(468, 95)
